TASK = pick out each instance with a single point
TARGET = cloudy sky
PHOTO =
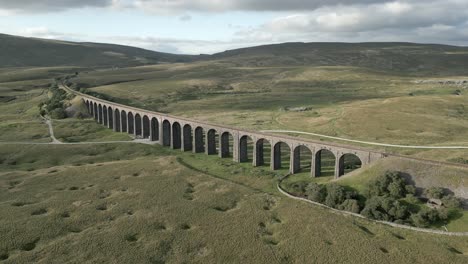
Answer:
(208, 26)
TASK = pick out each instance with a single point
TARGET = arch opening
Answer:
(131, 123)
(281, 156)
(227, 142)
(91, 108)
(263, 152)
(96, 112)
(123, 118)
(88, 108)
(199, 140)
(188, 138)
(154, 129)
(146, 127)
(246, 149)
(104, 115)
(302, 159)
(176, 136)
(348, 163)
(212, 142)
(117, 120)
(100, 121)
(138, 126)
(324, 163)
(110, 118)
(166, 133)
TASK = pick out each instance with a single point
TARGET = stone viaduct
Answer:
(199, 137)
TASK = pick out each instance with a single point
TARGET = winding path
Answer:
(364, 142)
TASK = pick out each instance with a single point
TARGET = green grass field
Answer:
(139, 203)
(155, 208)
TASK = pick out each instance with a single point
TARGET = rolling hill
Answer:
(18, 51)
(397, 57)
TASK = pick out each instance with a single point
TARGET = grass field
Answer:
(153, 208)
(138, 203)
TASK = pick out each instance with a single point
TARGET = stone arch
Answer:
(104, 115)
(110, 117)
(166, 133)
(138, 127)
(176, 135)
(324, 163)
(347, 163)
(263, 152)
(199, 140)
(188, 138)
(245, 149)
(123, 120)
(302, 158)
(96, 112)
(91, 108)
(212, 142)
(154, 129)
(226, 146)
(131, 123)
(88, 106)
(146, 127)
(117, 120)
(281, 155)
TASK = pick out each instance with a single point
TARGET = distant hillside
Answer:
(20, 51)
(406, 58)
(401, 58)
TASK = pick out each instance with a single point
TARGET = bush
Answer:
(298, 187)
(434, 192)
(389, 184)
(385, 208)
(336, 195)
(425, 217)
(410, 190)
(412, 199)
(316, 192)
(58, 113)
(451, 201)
(350, 205)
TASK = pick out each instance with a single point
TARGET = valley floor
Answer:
(140, 203)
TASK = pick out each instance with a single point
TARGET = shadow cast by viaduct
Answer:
(242, 145)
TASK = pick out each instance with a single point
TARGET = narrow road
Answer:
(51, 131)
(55, 141)
(364, 142)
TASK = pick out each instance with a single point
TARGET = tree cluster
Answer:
(54, 106)
(388, 198)
(333, 195)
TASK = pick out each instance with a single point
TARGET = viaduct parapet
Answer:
(242, 145)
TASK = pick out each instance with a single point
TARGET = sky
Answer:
(210, 26)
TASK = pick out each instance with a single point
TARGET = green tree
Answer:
(58, 113)
(425, 217)
(451, 201)
(336, 195)
(316, 192)
(434, 192)
(389, 184)
(350, 205)
(385, 208)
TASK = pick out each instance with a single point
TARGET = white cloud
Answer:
(397, 7)
(348, 23)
